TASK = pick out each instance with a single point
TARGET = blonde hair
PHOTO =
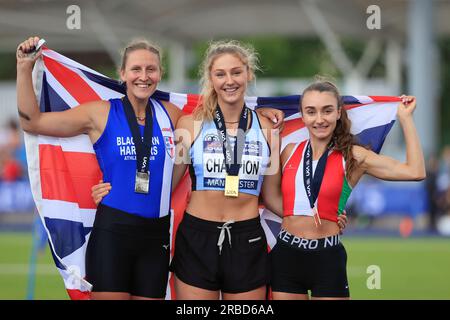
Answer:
(139, 44)
(208, 102)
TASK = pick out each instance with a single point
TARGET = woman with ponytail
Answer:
(317, 178)
(220, 246)
(126, 256)
(143, 79)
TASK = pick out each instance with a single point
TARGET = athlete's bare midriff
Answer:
(304, 227)
(215, 206)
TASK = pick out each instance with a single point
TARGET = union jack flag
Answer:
(63, 170)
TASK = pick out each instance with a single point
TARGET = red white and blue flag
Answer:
(63, 170)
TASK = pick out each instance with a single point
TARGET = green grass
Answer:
(15, 255)
(409, 268)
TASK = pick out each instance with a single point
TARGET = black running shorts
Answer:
(128, 253)
(207, 257)
(318, 265)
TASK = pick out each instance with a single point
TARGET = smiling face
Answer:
(229, 77)
(142, 73)
(320, 113)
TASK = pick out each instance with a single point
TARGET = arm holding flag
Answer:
(387, 168)
(72, 122)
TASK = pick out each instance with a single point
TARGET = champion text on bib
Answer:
(208, 169)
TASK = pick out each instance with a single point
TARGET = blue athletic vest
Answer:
(207, 167)
(116, 155)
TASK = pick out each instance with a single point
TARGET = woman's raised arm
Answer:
(61, 124)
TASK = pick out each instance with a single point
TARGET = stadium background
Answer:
(402, 228)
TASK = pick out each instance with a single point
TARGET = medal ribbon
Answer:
(231, 161)
(142, 145)
(313, 182)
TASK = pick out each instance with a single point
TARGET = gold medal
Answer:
(231, 186)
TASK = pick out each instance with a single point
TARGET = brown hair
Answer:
(138, 44)
(342, 139)
(208, 102)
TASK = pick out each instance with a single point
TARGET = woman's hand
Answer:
(25, 54)
(342, 222)
(100, 190)
(406, 107)
(274, 115)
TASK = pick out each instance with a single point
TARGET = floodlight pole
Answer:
(423, 77)
(177, 72)
(103, 31)
(353, 75)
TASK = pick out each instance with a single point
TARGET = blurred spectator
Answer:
(443, 190)
(443, 181)
(432, 191)
(10, 168)
(12, 153)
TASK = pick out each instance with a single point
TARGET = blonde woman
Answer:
(221, 249)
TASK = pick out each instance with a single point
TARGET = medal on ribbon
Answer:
(142, 182)
(231, 186)
(312, 181)
(232, 164)
(142, 145)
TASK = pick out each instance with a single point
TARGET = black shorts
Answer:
(128, 253)
(238, 267)
(299, 265)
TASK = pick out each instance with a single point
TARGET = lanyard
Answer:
(142, 145)
(313, 183)
(231, 161)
